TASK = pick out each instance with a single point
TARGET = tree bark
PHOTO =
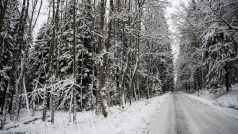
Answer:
(50, 66)
(102, 64)
(17, 54)
(227, 77)
(74, 62)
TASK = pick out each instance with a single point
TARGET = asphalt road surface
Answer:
(181, 114)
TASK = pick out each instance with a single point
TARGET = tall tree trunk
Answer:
(91, 9)
(55, 63)
(81, 78)
(102, 64)
(117, 38)
(17, 54)
(74, 65)
(50, 67)
(138, 6)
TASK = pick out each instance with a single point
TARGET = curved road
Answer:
(181, 114)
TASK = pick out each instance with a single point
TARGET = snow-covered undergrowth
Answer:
(224, 102)
(132, 119)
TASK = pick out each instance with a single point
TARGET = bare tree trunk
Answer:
(117, 54)
(81, 80)
(50, 66)
(74, 62)
(149, 72)
(131, 55)
(55, 63)
(108, 43)
(138, 40)
(53, 70)
(93, 57)
(102, 64)
(52, 107)
(227, 77)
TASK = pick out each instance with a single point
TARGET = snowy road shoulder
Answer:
(133, 119)
(215, 104)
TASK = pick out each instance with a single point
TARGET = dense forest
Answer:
(93, 54)
(208, 36)
(107, 66)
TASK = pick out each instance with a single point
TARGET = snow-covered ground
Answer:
(230, 99)
(223, 101)
(180, 112)
(132, 119)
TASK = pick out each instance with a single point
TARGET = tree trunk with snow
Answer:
(102, 63)
(18, 51)
(50, 67)
(74, 63)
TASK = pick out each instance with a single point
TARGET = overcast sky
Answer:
(172, 9)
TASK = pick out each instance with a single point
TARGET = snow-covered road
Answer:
(181, 114)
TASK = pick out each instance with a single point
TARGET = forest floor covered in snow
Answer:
(133, 119)
(141, 117)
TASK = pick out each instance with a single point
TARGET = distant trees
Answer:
(88, 55)
(208, 51)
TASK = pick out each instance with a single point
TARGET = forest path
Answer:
(181, 114)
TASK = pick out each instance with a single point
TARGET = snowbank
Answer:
(230, 99)
(130, 120)
(224, 103)
(224, 99)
